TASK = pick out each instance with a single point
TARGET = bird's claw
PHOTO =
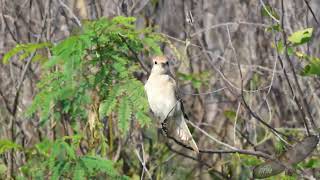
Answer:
(164, 128)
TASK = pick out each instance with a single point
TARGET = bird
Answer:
(162, 93)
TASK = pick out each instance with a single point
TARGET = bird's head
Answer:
(160, 65)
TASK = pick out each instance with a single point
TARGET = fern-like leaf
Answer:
(79, 172)
(6, 145)
(107, 106)
(97, 164)
(124, 114)
(143, 118)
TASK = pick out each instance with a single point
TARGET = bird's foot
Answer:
(164, 128)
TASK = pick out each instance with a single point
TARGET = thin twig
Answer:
(143, 66)
(6, 103)
(304, 102)
(235, 123)
(196, 159)
(143, 164)
(277, 133)
(314, 16)
(204, 93)
(78, 22)
(228, 24)
(269, 13)
(8, 27)
(16, 97)
(211, 137)
(232, 151)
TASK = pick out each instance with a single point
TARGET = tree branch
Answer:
(135, 54)
(304, 105)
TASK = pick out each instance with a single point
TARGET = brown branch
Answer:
(6, 103)
(12, 122)
(314, 16)
(304, 104)
(273, 130)
(198, 160)
(7, 26)
(240, 151)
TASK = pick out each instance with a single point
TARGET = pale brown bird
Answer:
(163, 100)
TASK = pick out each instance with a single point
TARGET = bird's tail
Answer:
(183, 133)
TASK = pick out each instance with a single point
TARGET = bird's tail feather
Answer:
(183, 133)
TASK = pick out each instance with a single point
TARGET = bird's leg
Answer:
(164, 127)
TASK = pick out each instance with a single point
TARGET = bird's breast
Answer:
(161, 96)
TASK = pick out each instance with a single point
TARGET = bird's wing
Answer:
(178, 96)
(179, 125)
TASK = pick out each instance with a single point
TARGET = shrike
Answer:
(163, 100)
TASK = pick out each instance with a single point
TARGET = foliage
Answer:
(297, 38)
(289, 47)
(59, 159)
(269, 11)
(291, 157)
(26, 50)
(88, 79)
(196, 79)
(91, 80)
(301, 37)
(313, 68)
(6, 145)
(97, 60)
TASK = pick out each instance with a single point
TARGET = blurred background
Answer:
(207, 40)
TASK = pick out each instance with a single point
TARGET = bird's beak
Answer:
(164, 65)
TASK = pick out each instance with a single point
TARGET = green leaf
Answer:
(301, 37)
(280, 47)
(56, 170)
(44, 147)
(6, 145)
(312, 163)
(275, 27)
(27, 48)
(69, 150)
(78, 173)
(124, 114)
(152, 44)
(279, 146)
(196, 79)
(230, 114)
(313, 68)
(97, 164)
(269, 11)
(11, 53)
(290, 51)
(143, 118)
(107, 106)
(249, 160)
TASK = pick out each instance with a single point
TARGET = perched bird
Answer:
(164, 102)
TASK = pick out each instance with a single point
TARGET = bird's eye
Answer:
(167, 63)
(155, 62)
